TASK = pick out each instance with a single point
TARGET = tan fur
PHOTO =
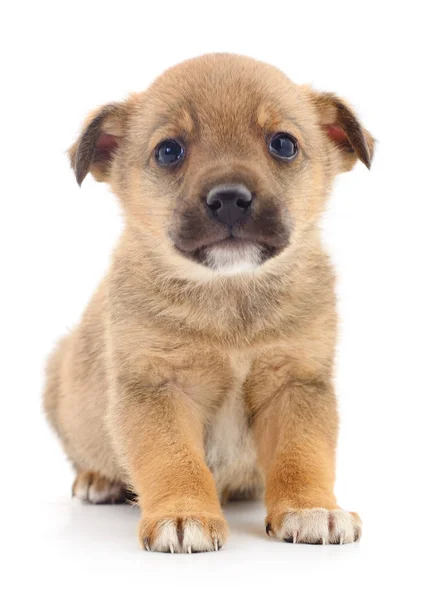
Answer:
(187, 385)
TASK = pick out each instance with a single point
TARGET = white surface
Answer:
(74, 550)
(60, 60)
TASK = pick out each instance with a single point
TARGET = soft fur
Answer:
(196, 376)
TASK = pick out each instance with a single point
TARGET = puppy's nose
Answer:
(230, 203)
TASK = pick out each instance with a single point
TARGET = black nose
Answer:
(229, 204)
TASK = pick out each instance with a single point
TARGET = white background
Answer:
(60, 60)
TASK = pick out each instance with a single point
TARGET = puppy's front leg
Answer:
(296, 434)
(159, 430)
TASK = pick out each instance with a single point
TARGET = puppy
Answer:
(202, 368)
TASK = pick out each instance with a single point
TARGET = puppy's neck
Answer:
(236, 307)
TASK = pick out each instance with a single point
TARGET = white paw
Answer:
(184, 534)
(317, 526)
(96, 489)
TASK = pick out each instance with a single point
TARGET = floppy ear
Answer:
(100, 138)
(344, 130)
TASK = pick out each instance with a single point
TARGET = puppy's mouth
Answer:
(236, 249)
(232, 255)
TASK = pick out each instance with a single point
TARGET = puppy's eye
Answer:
(283, 145)
(169, 152)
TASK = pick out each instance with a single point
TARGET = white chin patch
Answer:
(233, 260)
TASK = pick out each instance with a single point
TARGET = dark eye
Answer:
(169, 152)
(283, 145)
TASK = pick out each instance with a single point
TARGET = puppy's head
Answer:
(223, 163)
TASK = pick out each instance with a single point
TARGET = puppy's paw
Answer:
(315, 526)
(96, 489)
(184, 533)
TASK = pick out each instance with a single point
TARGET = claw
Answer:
(295, 536)
(324, 541)
(216, 545)
(171, 549)
(341, 539)
(189, 550)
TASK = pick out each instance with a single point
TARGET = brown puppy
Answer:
(202, 368)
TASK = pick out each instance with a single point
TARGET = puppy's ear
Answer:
(344, 130)
(101, 136)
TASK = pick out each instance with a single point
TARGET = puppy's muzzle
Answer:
(229, 204)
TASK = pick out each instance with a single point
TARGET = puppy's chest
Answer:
(229, 444)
